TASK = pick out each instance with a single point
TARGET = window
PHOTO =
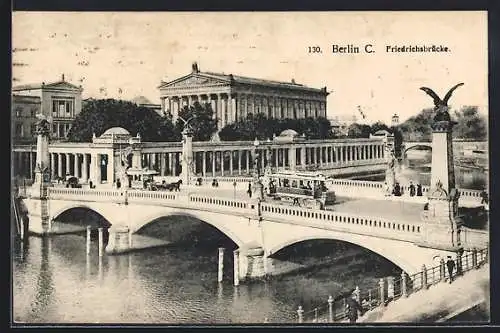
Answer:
(33, 112)
(33, 129)
(19, 130)
(269, 112)
(19, 111)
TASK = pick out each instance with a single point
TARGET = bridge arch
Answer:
(426, 145)
(395, 255)
(218, 221)
(60, 210)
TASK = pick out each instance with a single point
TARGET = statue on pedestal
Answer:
(443, 224)
(441, 105)
(187, 151)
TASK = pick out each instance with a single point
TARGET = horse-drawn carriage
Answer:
(305, 189)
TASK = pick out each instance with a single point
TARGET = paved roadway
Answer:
(395, 210)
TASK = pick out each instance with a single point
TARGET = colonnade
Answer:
(208, 160)
(239, 160)
(231, 107)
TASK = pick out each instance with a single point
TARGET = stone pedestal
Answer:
(119, 240)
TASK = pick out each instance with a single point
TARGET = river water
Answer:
(54, 281)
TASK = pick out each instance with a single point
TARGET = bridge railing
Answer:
(378, 187)
(221, 204)
(472, 238)
(80, 194)
(391, 289)
(373, 226)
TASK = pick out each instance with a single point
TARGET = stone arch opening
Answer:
(188, 231)
(333, 249)
(423, 147)
(76, 219)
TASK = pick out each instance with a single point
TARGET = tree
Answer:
(470, 124)
(98, 115)
(359, 131)
(202, 122)
(259, 126)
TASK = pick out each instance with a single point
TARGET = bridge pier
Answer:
(120, 240)
(251, 263)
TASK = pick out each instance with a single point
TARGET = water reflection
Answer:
(166, 285)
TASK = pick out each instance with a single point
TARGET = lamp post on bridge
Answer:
(257, 184)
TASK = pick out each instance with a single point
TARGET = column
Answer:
(231, 162)
(239, 162)
(67, 170)
(214, 157)
(174, 164)
(247, 160)
(163, 162)
(59, 165)
(75, 165)
(276, 161)
(85, 174)
(53, 165)
(110, 169)
(222, 163)
(203, 163)
(291, 158)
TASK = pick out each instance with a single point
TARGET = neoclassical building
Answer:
(60, 101)
(233, 97)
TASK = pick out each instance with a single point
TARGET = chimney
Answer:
(194, 67)
(62, 77)
(293, 81)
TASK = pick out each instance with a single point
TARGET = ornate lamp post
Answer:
(257, 185)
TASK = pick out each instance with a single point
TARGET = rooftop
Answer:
(230, 78)
(58, 84)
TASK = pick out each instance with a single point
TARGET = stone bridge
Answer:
(260, 229)
(459, 146)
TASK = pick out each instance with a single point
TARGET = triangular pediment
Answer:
(193, 80)
(62, 85)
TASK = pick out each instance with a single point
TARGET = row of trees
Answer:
(470, 124)
(98, 115)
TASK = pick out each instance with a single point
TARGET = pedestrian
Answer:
(118, 183)
(249, 191)
(412, 190)
(484, 197)
(387, 189)
(352, 308)
(419, 190)
(451, 266)
(397, 190)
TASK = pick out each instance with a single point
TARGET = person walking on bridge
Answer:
(451, 266)
(412, 190)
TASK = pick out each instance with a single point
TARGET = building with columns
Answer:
(233, 97)
(59, 101)
(99, 161)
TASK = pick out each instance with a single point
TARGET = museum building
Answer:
(233, 97)
(60, 101)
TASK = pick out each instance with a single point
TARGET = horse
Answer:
(174, 186)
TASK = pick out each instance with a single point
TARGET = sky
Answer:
(127, 54)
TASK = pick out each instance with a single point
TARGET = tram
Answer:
(305, 188)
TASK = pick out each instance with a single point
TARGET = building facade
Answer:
(234, 97)
(59, 101)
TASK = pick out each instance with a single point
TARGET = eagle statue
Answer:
(441, 105)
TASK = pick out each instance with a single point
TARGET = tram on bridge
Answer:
(305, 189)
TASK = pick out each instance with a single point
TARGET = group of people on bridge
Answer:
(397, 190)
